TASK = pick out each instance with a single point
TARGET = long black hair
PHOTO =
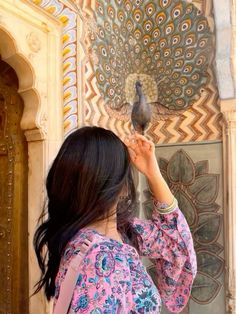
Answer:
(86, 178)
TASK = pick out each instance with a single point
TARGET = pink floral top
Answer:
(112, 278)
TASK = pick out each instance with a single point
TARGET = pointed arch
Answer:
(25, 73)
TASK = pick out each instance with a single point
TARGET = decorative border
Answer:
(68, 18)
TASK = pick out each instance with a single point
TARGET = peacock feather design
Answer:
(166, 45)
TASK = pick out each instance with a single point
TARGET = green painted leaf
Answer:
(163, 163)
(152, 272)
(205, 288)
(208, 207)
(208, 229)
(215, 248)
(201, 167)
(181, 168)
(148, 208)
(209, 263)
(205, 188)
(137, 209)
(147, 193)
(187, 207)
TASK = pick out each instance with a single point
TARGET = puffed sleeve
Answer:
(104, 284)
(167, 240)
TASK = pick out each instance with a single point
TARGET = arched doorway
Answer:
(13, 197)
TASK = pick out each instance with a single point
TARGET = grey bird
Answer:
(141, 112)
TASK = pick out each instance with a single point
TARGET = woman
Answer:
(91, 197)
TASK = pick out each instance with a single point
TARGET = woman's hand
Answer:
(142, 154)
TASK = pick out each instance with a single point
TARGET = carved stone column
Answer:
(228, 108)
(233, 45)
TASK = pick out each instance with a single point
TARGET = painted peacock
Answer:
(166, 45)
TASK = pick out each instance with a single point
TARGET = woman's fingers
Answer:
(132, 154)
(131, 148)
(139, 143)
(145, 142)
(131, 142)
(143, 138)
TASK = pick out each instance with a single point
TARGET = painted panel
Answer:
(194, 173)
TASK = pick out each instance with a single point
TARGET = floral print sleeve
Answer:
(167, 240)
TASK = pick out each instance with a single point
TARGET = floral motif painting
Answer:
(196, 191)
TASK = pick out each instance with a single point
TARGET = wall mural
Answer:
(196, 191)
(167, 44)
(201, 121)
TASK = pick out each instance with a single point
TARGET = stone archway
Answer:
(33, 50)
(24, 71)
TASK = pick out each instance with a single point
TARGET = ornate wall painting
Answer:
(194, 174)
(123, 49)
(84, 101)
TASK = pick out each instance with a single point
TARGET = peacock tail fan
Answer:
(167, 45)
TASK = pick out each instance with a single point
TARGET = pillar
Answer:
(228, 109)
